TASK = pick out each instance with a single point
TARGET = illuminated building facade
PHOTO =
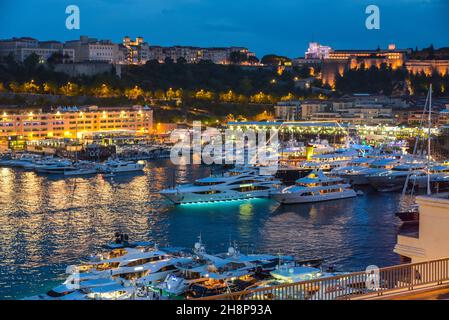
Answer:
(317, 51)
(337, 61)
(72, 122)
(428, 66)
(196, 54)
(137, 51)
(22, 48)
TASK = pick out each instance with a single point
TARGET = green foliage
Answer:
(373, 80)
(274, 60)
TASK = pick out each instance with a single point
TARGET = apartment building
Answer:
(196, 54)
(311, 107)
(90, 49)
(136, 51)
(73, 122)
(288, 110)
(22, 48)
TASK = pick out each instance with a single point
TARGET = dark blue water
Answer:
(48, 223)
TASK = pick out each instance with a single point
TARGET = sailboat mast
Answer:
(428, 140)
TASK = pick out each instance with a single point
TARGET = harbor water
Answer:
(47, 223)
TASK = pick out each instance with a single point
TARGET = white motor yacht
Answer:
(236, 184)
(119, 166)
(394, 179)
(82, 168)
(54, 166)
(21, 161)
(357, 175)
(315, 187)
(420, 178)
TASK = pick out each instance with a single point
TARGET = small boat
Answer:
(409, 216)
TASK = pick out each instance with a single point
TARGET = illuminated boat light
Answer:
(217, 201)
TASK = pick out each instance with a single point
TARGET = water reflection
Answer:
(47, 223)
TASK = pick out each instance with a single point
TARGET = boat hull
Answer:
(387, 183)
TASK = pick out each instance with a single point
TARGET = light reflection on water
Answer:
(47, 223)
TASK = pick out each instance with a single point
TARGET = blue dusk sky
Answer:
(265, 26)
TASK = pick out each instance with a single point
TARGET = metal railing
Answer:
(365, 284)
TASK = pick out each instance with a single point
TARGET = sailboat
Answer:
(410, 213)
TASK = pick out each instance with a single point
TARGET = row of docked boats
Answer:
(326, 177)
(143, 271)
(244, 183)
(67, 167)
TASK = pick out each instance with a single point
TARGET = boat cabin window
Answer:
(250, 188)
(55, 294)
(210, 183)
(243, 182)
(144, 260)
(207, 192)
(167, 268)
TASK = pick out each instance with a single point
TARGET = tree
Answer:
(70, 89)
(56, 58)
(275, 60)
(103, 91)
(170, 94)
(204, 95)
(238, 57)
(15, 87)
(134, 93)
(229, 96)
(253, 60)
(30, 87)
(168, 60)
(50, 88)
(181, 60)
(31, 62)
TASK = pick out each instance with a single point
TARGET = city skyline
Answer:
(272, 28)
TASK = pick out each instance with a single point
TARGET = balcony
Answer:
(408, 245)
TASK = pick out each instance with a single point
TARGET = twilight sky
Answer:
(265, 26)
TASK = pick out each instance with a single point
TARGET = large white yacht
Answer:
(236, 184)
(357, 175)
(394, 179)
(314, 188)
(420, 178)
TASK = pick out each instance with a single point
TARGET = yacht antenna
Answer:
(421, 122)
(428, 139)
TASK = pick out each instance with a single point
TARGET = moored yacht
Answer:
(54, 166)
(236, 184)
(419, 179)
(394, 179)
(82, 168)
(119, 166)
(315, 187)
(20, 161)
(357, 175)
